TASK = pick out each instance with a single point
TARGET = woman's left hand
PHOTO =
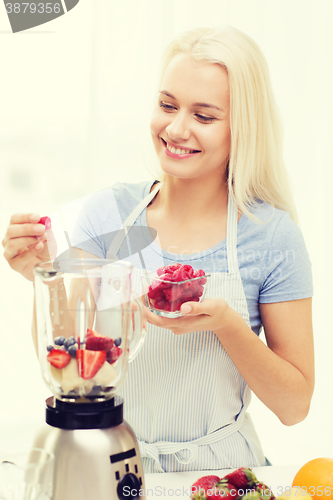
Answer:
(210, 314)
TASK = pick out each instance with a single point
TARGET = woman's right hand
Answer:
(27, 243)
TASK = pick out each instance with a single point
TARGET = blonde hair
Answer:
(256, 168)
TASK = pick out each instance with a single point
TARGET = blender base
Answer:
(93, 459)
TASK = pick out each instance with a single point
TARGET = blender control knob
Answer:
(128, 487)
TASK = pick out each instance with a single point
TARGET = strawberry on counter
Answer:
(239, 484)
(241, 478)
(201, 486)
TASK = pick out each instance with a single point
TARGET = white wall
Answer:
(76, 98)
(44, 129)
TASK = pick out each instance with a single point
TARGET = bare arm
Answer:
(280, 373)
(25, 246)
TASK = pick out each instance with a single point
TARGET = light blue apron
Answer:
(183, 395)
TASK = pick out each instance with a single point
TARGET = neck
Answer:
(188, 199)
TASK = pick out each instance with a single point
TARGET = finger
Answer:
(38, 250)
(26, 259)
(12, 251)
(24, 218)
(49, 247)
(177, 325)
(21, 230)
(155, 319)
(194, 308)
(207, 307)
(40, 246)
(23, 225)
(134, 307)
(16, 246)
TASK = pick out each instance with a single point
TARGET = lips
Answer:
(178, 150)
(178, 153)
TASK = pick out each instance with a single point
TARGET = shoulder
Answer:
(277, 249)
(103, 214)
(272, 227)
(276, 241)
(123, 190)
(122, 196)
(134, 192)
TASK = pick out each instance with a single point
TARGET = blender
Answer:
(89, 327)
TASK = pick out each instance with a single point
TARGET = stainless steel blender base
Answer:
(94, 464)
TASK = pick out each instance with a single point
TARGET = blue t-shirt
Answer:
(273, 261)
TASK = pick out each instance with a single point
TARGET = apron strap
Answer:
(122, 234)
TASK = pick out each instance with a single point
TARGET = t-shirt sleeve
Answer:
(102, 217)
(97, 223)
(288, 273)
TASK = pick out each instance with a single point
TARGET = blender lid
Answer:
(96, 415)
(65, 264)
(137, 237)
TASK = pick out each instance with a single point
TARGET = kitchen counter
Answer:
(178, 484)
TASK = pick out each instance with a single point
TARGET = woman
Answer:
(224, 206)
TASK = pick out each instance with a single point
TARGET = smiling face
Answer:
(190, 125)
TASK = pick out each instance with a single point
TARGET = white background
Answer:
(76, 97)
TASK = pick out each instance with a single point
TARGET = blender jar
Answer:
(89, 326)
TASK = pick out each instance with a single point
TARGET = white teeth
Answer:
(179, 151)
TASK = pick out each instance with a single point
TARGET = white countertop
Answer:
(178, 484)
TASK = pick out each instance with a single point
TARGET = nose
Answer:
(178, 128)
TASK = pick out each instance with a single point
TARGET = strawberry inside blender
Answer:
(81, 366)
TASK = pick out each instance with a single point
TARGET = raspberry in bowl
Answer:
(170, 286)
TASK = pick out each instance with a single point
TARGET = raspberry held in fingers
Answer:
(46, 221)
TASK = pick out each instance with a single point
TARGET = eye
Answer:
(166, 107)
(206, 119)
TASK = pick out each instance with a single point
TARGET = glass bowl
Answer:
(164, 297)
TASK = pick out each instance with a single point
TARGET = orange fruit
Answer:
(316, 478)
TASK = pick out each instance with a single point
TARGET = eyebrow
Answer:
(201, 104)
